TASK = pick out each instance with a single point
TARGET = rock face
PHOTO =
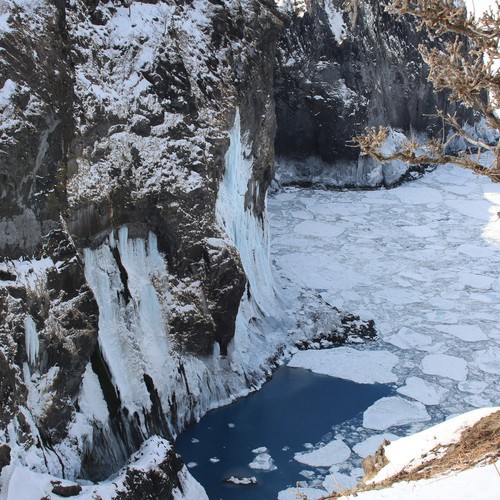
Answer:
(137, 146)
(119, 298)
(339, 71)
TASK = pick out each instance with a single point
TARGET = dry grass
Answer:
(480, 444)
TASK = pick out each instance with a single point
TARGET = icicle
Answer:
(31, 339)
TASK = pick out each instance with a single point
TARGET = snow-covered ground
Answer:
(422, 261)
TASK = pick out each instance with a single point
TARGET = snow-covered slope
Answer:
(464, 479)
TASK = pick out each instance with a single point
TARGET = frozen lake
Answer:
(294, 408)
(422, 260)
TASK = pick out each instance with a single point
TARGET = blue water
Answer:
(295, 407)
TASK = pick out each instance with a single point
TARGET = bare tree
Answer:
(468, 66)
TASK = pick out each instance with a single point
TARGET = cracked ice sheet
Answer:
(434, 299)
(436, 242)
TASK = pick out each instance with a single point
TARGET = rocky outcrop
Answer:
(37, 124)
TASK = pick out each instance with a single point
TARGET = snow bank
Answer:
(21, 483)
(478, 483)
(409, 450)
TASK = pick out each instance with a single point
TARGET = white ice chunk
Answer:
(393, 411)
(299, 492)
(476, 280)
(339, 482)
(488, 360)
(241, 480)
(370, 445)
(473, 386)
(475, 209)
(363, 367)
(468, 333)
(477, 401)
(420, 231)
(406, 338)
(261, 449)
(418, 196)
(263, 461)
(423, 391)
(334, 452)
(445, 366)
(319, 229)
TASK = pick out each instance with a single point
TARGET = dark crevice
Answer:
(123, 275)
(100, 368)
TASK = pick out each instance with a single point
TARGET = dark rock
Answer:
(4, 456)
(141, 126)
(328, 90)
(152, 484)
(66, 491)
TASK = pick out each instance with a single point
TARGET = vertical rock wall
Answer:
(343, 66)
(119, 288)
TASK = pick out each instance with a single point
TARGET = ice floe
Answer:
(423, 391)
(406, 338)
(393, 411)
(245, 481)
(364, 367)
(334, 452)
(300, 492)
(469, 333)
(370, 445)
(262, 461)
(420, 260)
(488, 360)
(445, 366)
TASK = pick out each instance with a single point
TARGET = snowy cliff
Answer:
(136, 150)
(122, 286)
